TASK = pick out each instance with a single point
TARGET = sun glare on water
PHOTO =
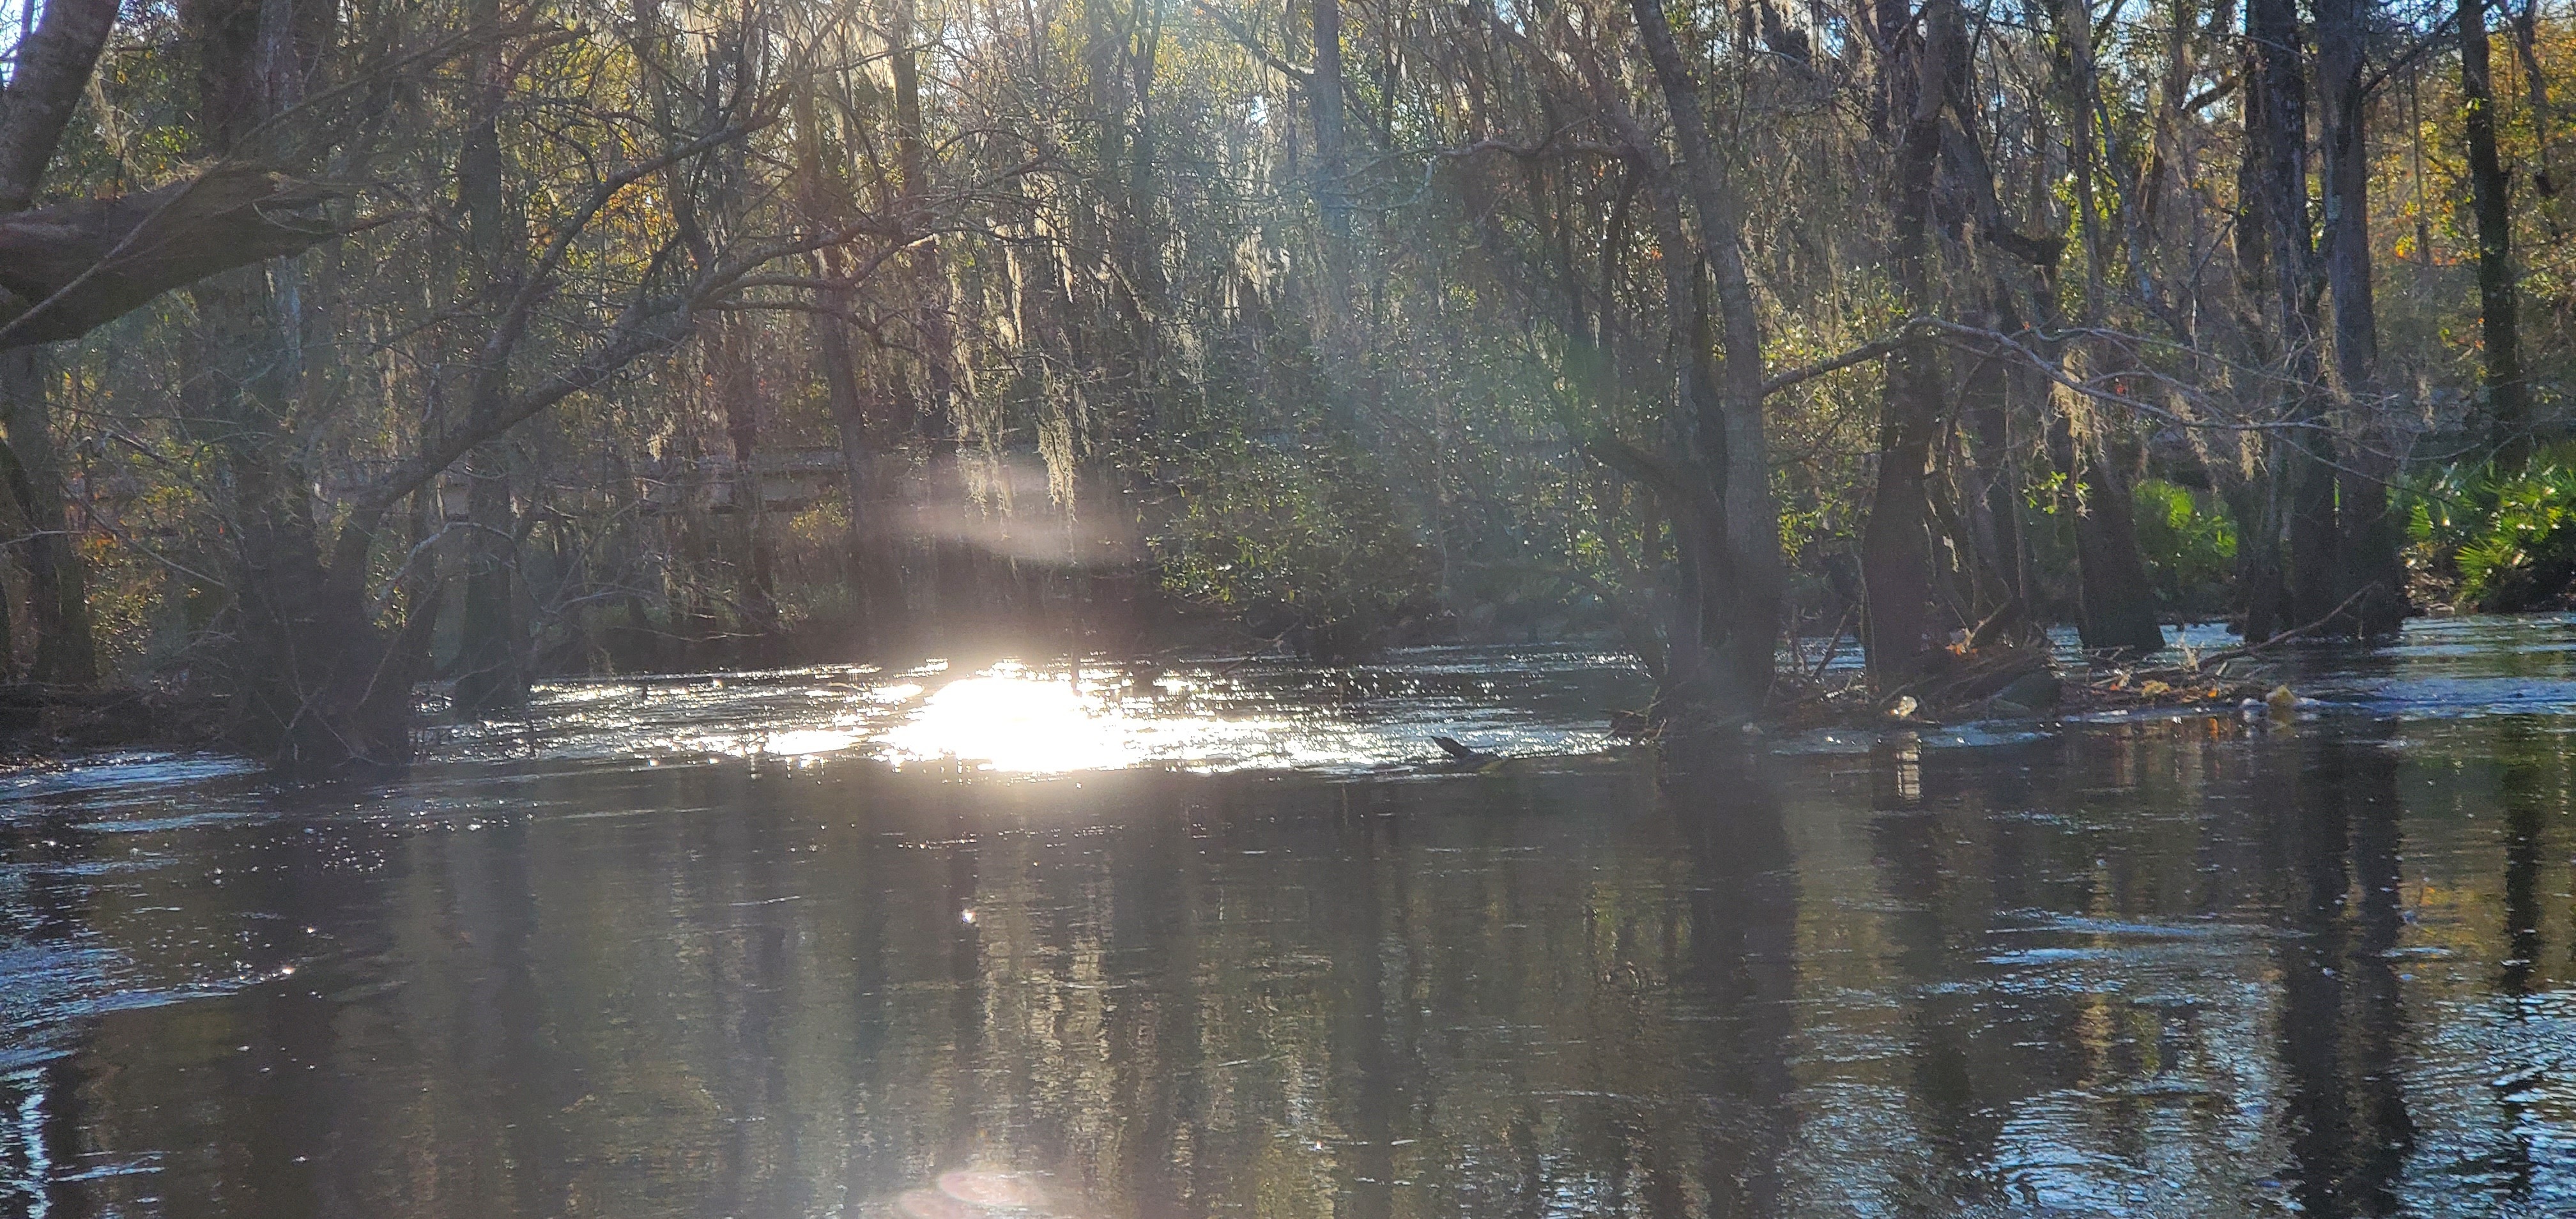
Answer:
(1013, 718)
(1009, 719)
(799, 742)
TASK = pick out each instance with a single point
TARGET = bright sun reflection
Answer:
(1010, 720)
(1014, 718)
(807, 740)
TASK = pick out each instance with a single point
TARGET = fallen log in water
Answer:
(2023, 681)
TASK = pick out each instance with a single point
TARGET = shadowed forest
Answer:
(346, 347)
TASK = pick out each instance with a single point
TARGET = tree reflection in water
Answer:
(2336, 843)
(2139, 969)
(1741, 981)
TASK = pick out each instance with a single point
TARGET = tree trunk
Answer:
(2115, 602)
(491, 673)
(491, 676)
(2255, 498)
(1746, 538)
(1993, 499)
(2262, 588)
(317, 688)
(825, 196)
(860, 543)
(52, 66)
(2117, 606)
(2278, 126)
(2002, 375)
(1896, 545)
(2508, 403)
(928, 276)
(1324, 98)
(57, 583)
(68, 269)
(737, 380)
(946, 568)
(2371, 577)
(1693, 675)
(2525, 27)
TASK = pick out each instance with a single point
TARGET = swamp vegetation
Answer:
(355, 345)
(961, 610)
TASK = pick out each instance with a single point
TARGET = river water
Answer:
(1219, 940)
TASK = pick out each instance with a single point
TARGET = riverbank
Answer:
(40, 724)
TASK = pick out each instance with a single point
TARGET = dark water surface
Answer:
(840, 942)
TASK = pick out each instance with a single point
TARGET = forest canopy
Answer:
(348, 346)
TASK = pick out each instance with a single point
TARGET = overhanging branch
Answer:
(67, 270)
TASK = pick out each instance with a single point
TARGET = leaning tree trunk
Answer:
(50, 67)
(1745, 606)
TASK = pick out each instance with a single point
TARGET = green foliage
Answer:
(1286, 537)
(2190, 550)
(2509, 537)
(2045, 494)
